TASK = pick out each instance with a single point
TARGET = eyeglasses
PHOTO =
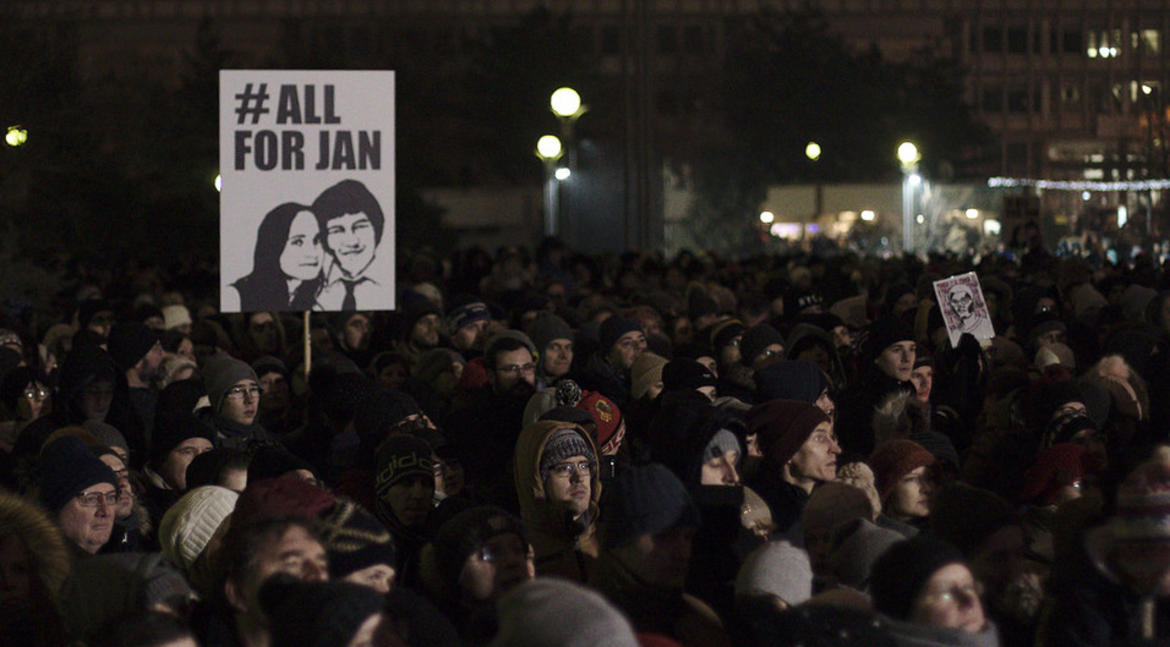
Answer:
(517, 368)
(238, 392)
(951, 594)
(565, 470)
(35, 394)
(825, 439)
(94, 499)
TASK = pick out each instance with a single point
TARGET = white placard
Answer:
(963, 307)
(307, 198)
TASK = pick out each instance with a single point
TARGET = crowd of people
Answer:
(551, 448)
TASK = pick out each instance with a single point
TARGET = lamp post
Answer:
(813, 152)
(16, 136)
(549, 150)
(566, 104)
(909, 156)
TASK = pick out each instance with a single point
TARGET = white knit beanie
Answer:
(188, 525)
(778, 568)
(551, 612)
(175, 316)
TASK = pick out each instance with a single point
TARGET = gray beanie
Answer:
(546, 328)
(107, 434)
(550, 612)
(563, 444)
(220, 373)
(854, 547)
(777, 568)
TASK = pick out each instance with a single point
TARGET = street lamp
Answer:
(812, 151)
(767, 217)
(566, 104)
(909, 156)
(16, 136)
(549, 150)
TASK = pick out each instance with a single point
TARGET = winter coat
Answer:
(562, 546)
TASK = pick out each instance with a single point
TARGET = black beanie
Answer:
(354, 539)
(612, 330)
(756, 339)
(83, 366)
(898, 575)
(646, 500)
(885, 332)
(68, 467)
(378, 412)
(129, 341)
(686, 374)
(172, 430)
(316, 614)
(799, 379)
(467, 532)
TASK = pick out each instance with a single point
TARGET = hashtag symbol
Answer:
(252, 103)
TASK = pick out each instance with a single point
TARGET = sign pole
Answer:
(308, 348)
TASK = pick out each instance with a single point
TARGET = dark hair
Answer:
(348, 197)
(265, 288)
(503, 345)
(242, 544)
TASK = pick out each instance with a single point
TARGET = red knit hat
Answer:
(894, 459)
(1141, 535)
(782, 426)
(279, 498)
(1060, 465)
(611, 427)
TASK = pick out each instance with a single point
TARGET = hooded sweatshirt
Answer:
(563, 546)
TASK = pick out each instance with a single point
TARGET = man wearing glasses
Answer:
(80, 491)
(234, 391)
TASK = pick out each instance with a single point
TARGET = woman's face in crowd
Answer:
(34, 402)
(503, 562)
(817, 457)
(911, 496)
(125, 492)
(950, 598)
(897, 360)
(301, 257)
(923, 379)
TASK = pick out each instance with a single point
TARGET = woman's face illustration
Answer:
(301, 258)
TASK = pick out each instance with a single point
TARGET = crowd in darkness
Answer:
(542, 447)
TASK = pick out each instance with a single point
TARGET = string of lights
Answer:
(1075, 185)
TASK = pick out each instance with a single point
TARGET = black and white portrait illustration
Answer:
(964, 310)
(315, 257)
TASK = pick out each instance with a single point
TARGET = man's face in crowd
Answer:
(125, 492)
(94, 400)
(660, 560)
(274, 392)
(569, 485)
(174, 468)
(471, 336)
(771, 354)
(89, 526)
(241, 402)
(907, 301)
(379, 577)
(101, 322)
(729, 354)
(897, 360)
(720, 470)
(923, 379)
(148, 366)
(263, 332)
(410, 499)
(425, 333)
(357, 332)
(296, 553)
(514, 372)
(950, 598)
(627, 349)
(558, 357)
(817, 457)
(500, 565)
(351, 237)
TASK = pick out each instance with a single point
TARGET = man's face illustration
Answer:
(351, 237)
(961, 302)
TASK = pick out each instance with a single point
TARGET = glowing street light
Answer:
(972, 214)
(812, 151)
(218, 182)
(563, 173)
(908, 154)
(548, 148)
(16, 136)
(565, 103)
(868, 215)
(767, 217)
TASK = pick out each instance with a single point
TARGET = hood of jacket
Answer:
(41, 537)
(542, 519)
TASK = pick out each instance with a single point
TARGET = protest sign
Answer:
(307, 197)
(963, 307)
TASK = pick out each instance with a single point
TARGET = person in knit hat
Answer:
(234, 392)
(477, 556)
(646, 376)
(177, 317)
(925, 592)
(608, 370)
(1114, 591)
(178, 440)
(404, 484)
(760, 346)
(794, 380)
(1059, 474)
(190, 532)
(421, 322)
(680, 374)
(650, 522)
(467, 321)
(854, 547)
(322, 614)
(887, 363)
(137, 352)
(799, 450)
(778, 571)
(554, 343)
(86, 385)
(550, 612)
(80, 491)
(558, 486)
(904, 484)
(360, 548)
(830, 506)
